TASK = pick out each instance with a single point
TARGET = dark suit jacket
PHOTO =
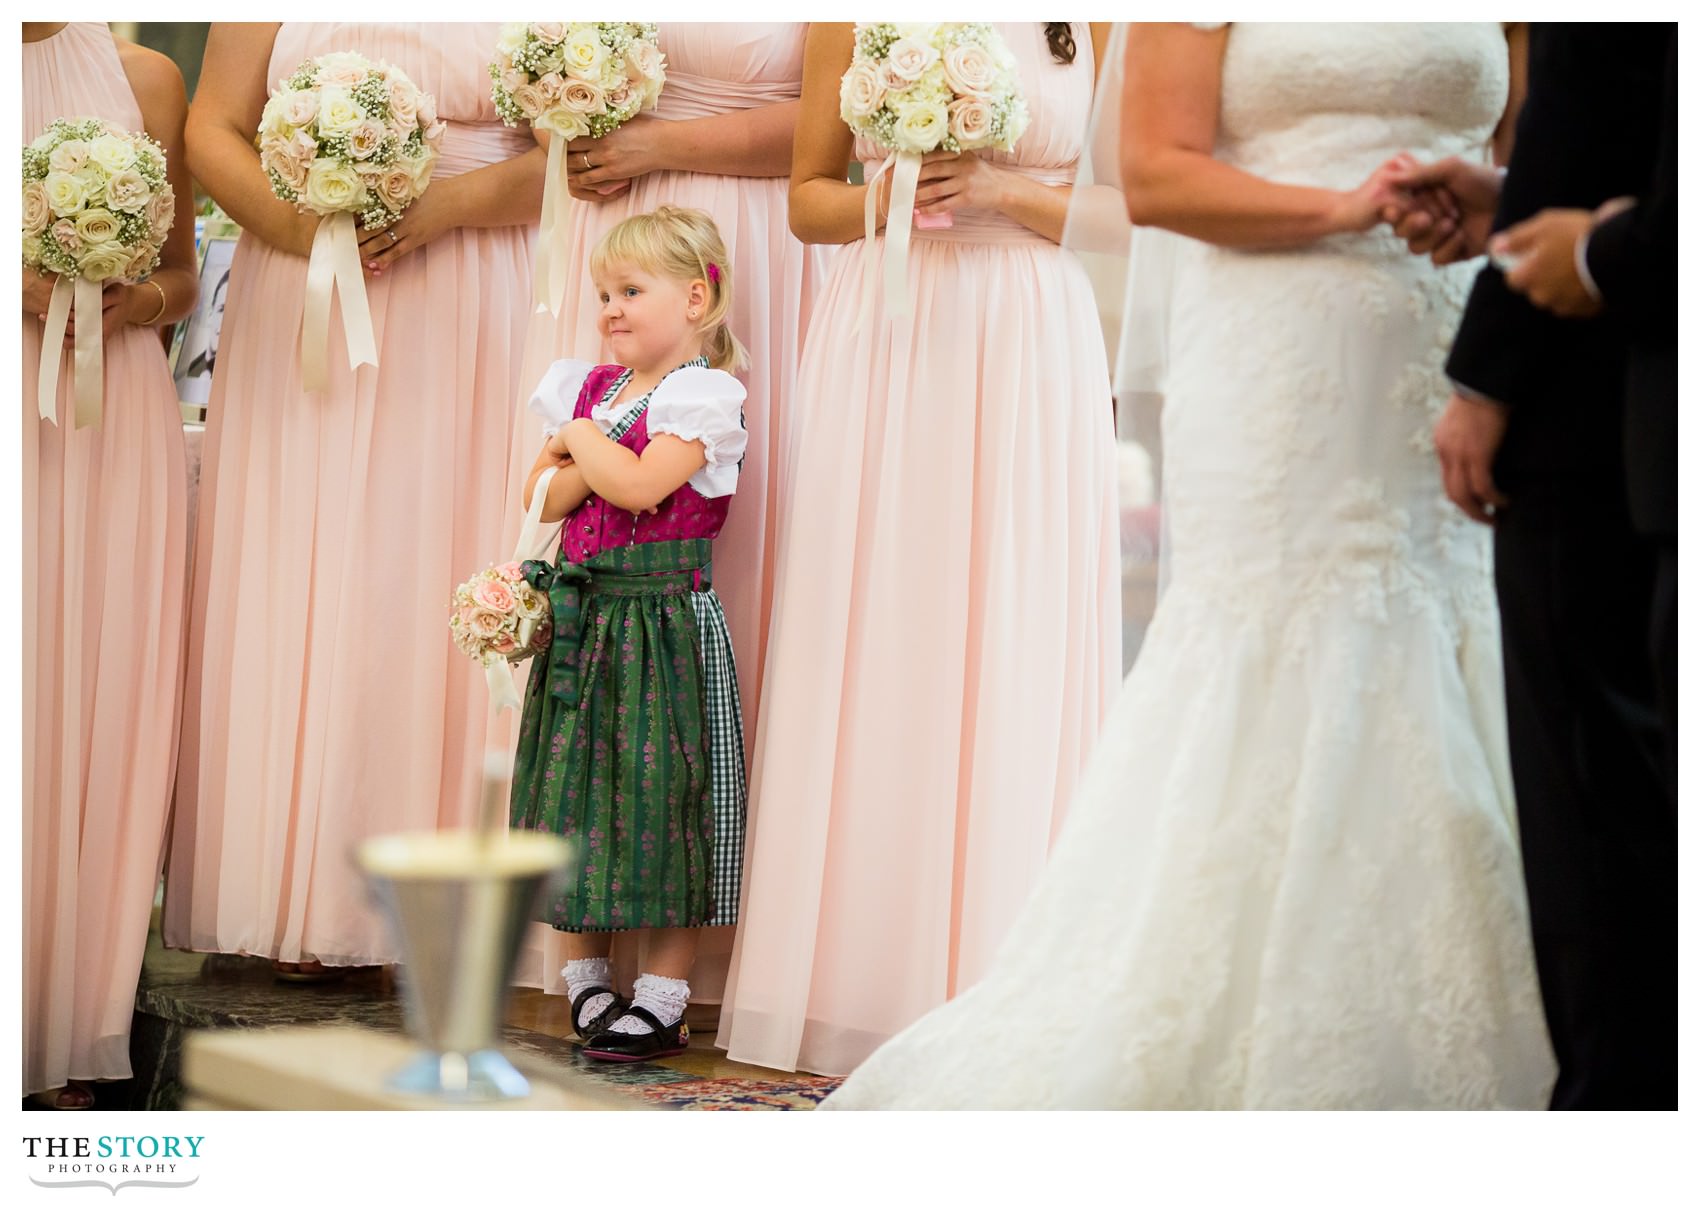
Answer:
(1632, 258)
(1589, 131)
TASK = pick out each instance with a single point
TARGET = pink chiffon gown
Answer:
(945, 636)
(712, 68)
(105, 553)
(325, 702)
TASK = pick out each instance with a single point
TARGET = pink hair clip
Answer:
(714, 273)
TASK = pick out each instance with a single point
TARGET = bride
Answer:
(1290, 877)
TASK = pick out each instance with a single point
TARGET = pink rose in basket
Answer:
(494, 595)
(511, 570)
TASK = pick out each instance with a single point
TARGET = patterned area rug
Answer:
(798, 1092)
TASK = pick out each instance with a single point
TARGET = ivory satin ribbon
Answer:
(87, 362)
(335, 265)
(549, 275)
(906, 172)
(534, 544)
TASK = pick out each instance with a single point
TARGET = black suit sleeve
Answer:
(1632, 256)
(1585, 135)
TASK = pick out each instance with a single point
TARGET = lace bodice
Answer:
(1324, 103)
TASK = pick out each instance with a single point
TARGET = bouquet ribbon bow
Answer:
(335, 267)
(87, 365)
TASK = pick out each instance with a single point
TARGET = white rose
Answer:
(69, 156)
(583, 54)
(43, 141)
(420, 169)
(32, 250)
(126, 191)
(299, 106)
(338, 111)
(643, 61)
(969, 69)
(511, 39)
(970, 121)
(908, 58)
(550, 33)
(582, 97)
(36, 209)
(365, 138)
(65, 192)
(104, 261)
(112, 153)
(861, 92)
(427, 111)
(332, 187)
(563, 122)
(342, 68)
(97, 226)
(921, 126)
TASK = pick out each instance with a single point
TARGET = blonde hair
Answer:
(677, 242)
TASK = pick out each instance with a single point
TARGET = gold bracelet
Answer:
(153, 319)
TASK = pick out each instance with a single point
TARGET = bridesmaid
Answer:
(105, 555)
(325, 703)
(719, 141)
(945, 623)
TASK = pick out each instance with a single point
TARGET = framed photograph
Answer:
(197, 348)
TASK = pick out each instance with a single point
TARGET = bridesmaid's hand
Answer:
(120, 304)
(958, 180)
(432, 214)
(38, 292)
(600, 168)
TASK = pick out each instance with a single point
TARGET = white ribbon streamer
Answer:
(82, 298)
(534, 544)
(335, 266)
(549, 274)
(905, 176)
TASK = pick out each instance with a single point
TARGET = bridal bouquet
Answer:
(96, 209)
(571, 78)
(921, 87)
(499, 618)
(497, 614)
(346, 139)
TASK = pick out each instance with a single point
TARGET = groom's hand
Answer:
(1546, 260)
(1467, 193)
(1467, 438)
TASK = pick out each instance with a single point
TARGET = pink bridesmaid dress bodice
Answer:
(717, 67)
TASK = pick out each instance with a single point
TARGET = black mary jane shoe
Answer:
(596, 1026)
(660, 1041)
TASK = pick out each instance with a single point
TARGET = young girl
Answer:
(630, 743)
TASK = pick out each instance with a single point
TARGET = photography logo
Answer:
(113, 1162)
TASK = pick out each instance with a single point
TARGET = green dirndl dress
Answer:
(631, 743)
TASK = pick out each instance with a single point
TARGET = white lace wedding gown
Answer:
(1291, 876)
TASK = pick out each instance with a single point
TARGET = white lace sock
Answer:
(662, 996)
(592, 973)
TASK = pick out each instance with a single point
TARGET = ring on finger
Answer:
(585, 156)
(394, 239)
